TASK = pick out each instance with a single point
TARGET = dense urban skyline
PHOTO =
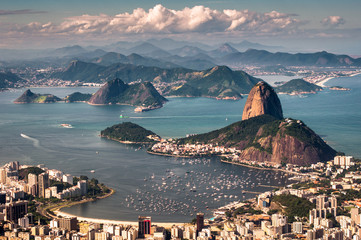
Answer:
(302, 26)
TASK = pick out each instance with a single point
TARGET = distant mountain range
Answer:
(262, 57)
(9, 80)
(168, 53)
(218, 82)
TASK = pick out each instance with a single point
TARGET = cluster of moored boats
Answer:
(184, 191)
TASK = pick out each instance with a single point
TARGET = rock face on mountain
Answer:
(139, 94)
(262, 99)
(267, 139)
(264, 136)
(30, 97)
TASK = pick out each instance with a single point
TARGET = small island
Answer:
(30, 97)
(339, 88)
(143, 96)
(298, 86)
(130, 133)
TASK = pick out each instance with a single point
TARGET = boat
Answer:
(66, 125)
(92, 171)
(122, 116)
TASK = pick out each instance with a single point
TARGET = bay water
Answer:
(168, 189)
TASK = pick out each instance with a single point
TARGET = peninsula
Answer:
(263, 136)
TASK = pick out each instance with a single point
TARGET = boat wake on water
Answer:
(35, 141)
(203, 116)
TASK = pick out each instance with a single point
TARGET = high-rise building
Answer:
(14, 166)
(2, 197)
(200, 222)
(16, 210)
(2, 175)
(83, 185)
(43, 183)
(144, 226)
(33, 184)
(69, 224)
(68, 178)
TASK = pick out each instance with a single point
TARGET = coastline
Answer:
(125, 142)
(169, 155)
(117, 222)
(322, 82)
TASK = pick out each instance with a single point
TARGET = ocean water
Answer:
(166, 188)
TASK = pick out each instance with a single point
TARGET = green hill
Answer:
(129, 133)
(78, 97)
(30, 97)
(264, 138)
(296, 86)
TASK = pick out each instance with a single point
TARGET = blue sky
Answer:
(301, 25)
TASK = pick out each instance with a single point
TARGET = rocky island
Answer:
(29, 97)
(142, 95)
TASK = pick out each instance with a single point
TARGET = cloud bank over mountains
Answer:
(193, 23)
(160, 19)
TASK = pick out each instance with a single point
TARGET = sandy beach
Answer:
(115, 222)
(322, 82)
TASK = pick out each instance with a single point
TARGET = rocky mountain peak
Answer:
(262, 99)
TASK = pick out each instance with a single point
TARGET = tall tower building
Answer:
(200, 222)
(144, 226)
(43, 183)
(16, 210)
(2, 175)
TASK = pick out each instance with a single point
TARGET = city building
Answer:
(43, 180)
(144, 226)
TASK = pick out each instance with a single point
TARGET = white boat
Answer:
(66, 125)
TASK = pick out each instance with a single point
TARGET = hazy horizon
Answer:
(298, 27)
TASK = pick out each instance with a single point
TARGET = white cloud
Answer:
(163, 20)
(333, 21)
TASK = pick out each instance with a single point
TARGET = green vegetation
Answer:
(60, 185)
(351, 194)
(32, 208)
(305, 185)
(30, 97)
(78, 97)
(293, 206)
(219, 81)
(303, 133)
(23, 173)
(232, 134)
(244, 210)
(128, 131)
(298, 85)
